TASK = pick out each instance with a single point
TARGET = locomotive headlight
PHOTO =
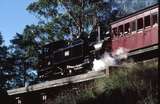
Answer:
(98, 46)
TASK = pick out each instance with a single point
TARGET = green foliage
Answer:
(86, 95)
(24, 52)
(75, 15)
(4, 65)
(136, 82)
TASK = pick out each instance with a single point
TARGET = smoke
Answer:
(108, 59)
(120, 53)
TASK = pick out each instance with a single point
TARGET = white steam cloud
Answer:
(110, 59)
(120, 53)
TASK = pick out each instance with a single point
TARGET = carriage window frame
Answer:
(140, 24)
(133, 26)
(147, 21)
(152, 18)
(115, 32)
(120, 30)
(127, 28)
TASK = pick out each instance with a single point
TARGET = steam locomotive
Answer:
(137, 32)
(62, 58)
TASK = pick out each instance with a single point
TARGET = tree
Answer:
(23, 52)
(4, 68)
(78, 16)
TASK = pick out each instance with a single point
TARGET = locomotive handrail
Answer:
(62, 49)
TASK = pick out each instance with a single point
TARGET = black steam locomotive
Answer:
(62, 58)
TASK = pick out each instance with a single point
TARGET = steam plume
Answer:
(110, 59)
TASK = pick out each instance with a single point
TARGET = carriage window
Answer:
(154, 19)
(133, 24)
(120, 29)
(115, 31)
(147, 21)
(127, 27)
(140, 23)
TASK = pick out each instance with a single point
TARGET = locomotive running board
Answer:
(60, 82)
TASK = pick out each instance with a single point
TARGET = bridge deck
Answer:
(60, 82)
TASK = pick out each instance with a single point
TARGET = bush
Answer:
(135, 84)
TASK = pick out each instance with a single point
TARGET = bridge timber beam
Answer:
(60, 82)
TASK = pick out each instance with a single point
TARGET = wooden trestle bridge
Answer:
(39, 93)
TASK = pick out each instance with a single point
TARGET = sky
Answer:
(14, 17)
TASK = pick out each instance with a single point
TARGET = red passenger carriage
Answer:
(138, 32)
